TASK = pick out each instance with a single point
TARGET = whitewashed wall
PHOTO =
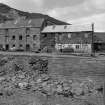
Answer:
(82, 47)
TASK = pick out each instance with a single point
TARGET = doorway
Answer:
(27, 47)
(99, 47)
(7, 47)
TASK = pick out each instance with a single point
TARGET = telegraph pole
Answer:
(104, 93)
(93, 50)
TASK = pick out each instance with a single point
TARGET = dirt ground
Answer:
(75, 69)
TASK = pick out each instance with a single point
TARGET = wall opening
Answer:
(27, 47)
(7, 47)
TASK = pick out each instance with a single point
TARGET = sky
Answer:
(71, 11)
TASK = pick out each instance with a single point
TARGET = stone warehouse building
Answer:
(23, 34)
(70, 38)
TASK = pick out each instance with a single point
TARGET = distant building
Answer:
(70, 38)
(22, 34)
(99, 41)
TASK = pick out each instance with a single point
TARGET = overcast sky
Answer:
(72, 11)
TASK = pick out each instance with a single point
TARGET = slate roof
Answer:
(22, 23)
(67, 28)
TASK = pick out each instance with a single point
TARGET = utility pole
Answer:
(104, 93)
(93, 50)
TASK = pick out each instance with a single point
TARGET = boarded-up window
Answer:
(86, 35)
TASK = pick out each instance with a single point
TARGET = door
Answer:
(7, 46)
(27, 47)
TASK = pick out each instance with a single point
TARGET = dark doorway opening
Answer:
(27, 47)
(99, 47)
(7, 47)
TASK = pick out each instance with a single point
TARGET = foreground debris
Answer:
(37, 79)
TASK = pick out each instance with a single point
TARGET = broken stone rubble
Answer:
(48, 86)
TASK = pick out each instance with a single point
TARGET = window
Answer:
(65, 26)
(60, 37)
(77, 46)
(13, 45)
(1, 46)
(34, 37)
(45, 35)
(27, 35)
(6, 30)
(69, 35)
(20, 37)
(13, 37)
(6, 33)
(20, 45)
(27, 47)
(27, 30)
(34, 45)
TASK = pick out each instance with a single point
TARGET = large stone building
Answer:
(22, 34)
(70, 38)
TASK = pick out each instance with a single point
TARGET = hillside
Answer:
(9, 13)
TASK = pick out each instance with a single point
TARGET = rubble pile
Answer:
(13, 74)
(39, 65)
